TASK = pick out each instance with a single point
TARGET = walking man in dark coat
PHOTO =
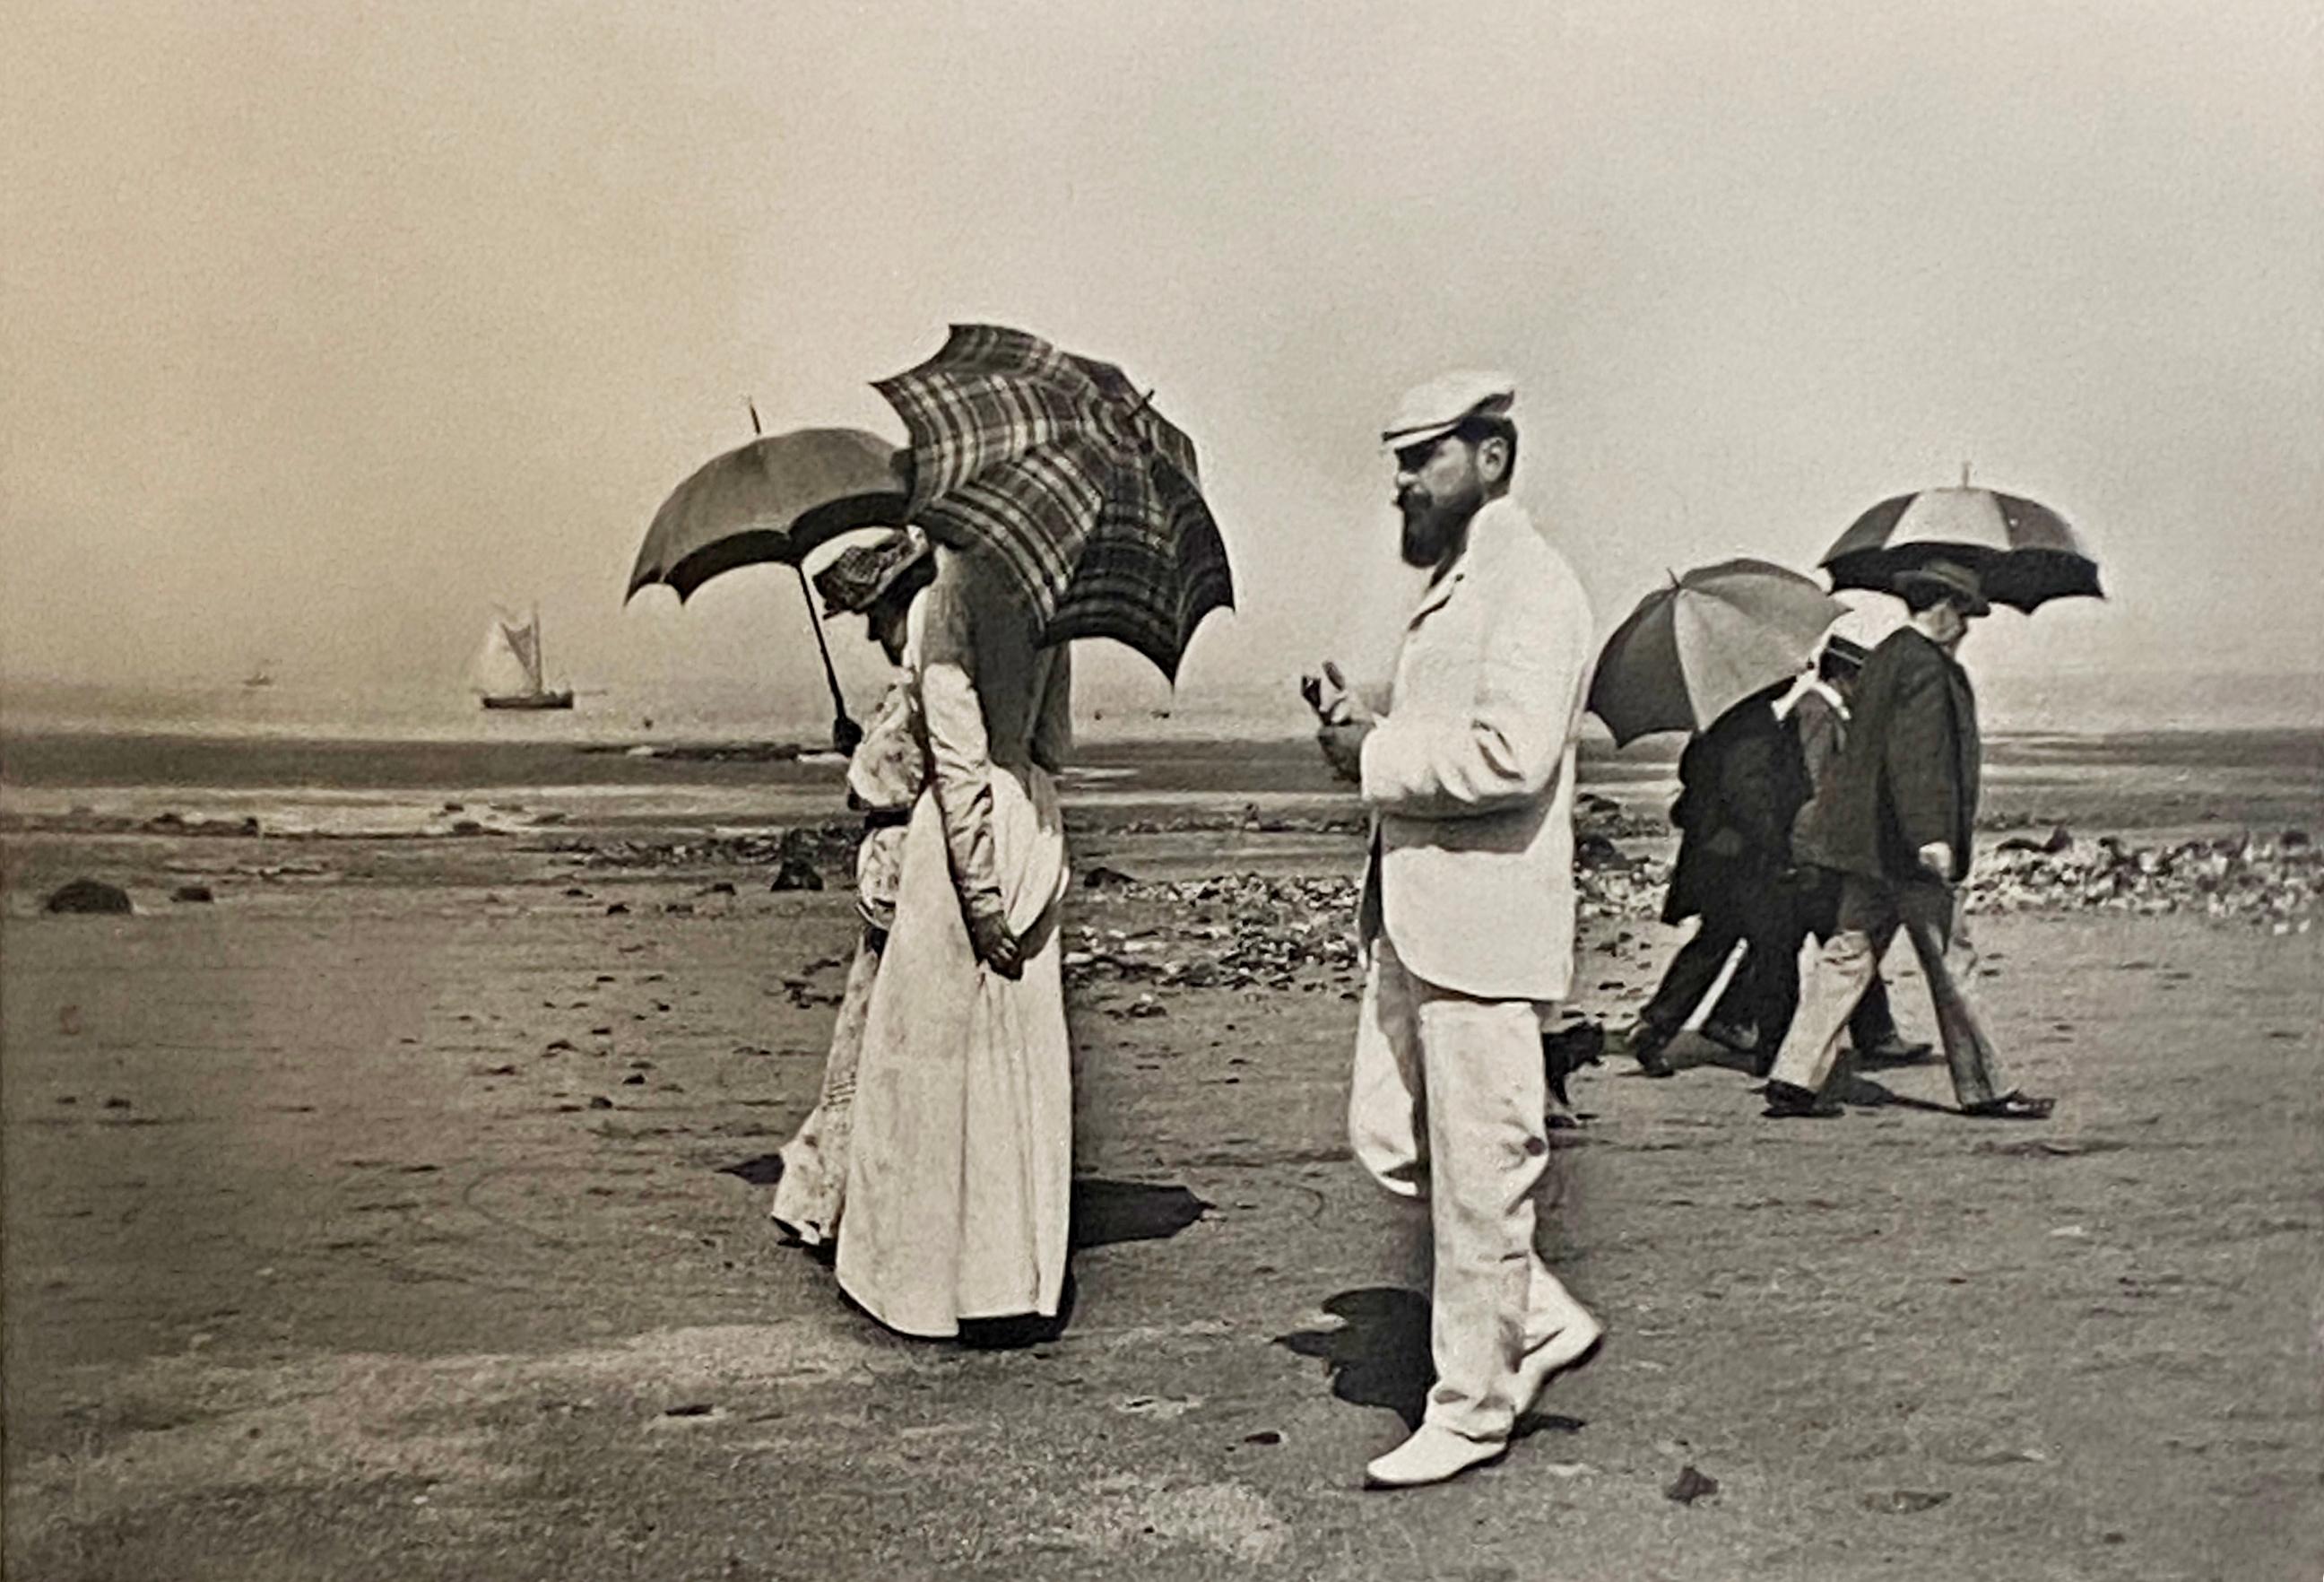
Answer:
(1817, 718)
(1741, 783)
(1898, 826)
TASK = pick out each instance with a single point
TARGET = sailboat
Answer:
(261, 676)
(509, 670)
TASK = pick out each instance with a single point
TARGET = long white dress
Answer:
(885, 778)
(959, 1173)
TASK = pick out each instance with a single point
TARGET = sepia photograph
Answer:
(804, 791)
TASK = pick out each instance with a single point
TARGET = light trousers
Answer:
(1448, 1106)
(1871, 911)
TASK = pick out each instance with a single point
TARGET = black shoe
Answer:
(1892, 1050)
(2013, 1107)
(1646, 1043)
(1788, 1101)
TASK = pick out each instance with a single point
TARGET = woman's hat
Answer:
(859, 575)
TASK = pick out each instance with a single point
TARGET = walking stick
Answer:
(844, 732)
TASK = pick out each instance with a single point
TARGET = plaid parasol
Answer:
(1060, 470)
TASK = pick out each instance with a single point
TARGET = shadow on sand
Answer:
(1378, 1355)
(1854, 1089)
(1691, 1050)
(1103, 1212)
(764, 1171)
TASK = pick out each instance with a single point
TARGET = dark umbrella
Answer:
(774, 500)
(2024, 553)
(1063, 472)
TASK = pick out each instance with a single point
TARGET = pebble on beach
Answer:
(1690, 1485)
(90, 895)
(1253, 930)
(2244, 878)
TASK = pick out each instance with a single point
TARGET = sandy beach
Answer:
(401, 1210)
(470, 477)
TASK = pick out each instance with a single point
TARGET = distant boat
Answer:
(262, 676)
(510, 673)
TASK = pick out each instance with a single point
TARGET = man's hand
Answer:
(1333, 700)
(1311, 687)
(1347, 719)
(1353, 709)
(995, 945)
(1343, 748)
(1937, 856)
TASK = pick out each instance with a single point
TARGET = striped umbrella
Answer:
(1695, 649)
(1057, 467)
(2024, 553)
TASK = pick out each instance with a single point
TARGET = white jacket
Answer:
(1469, 773)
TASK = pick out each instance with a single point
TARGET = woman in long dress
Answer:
(886, 774)
(959, 1172)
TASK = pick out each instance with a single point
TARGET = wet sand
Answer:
(401, 1213)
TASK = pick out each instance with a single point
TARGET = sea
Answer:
(306, 758)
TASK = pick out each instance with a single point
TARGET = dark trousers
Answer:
(1765, 988)
(1769, 1003)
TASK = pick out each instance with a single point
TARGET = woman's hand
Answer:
(995, 945)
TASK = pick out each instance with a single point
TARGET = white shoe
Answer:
(1431, 1456)
(1570, 1348)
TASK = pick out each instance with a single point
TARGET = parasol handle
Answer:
(841, 728)
(844, 732)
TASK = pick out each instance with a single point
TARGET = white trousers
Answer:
(1448, 1106)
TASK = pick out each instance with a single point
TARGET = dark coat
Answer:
(1741, 783)
(1908, 772)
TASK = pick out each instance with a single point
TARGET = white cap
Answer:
(1430, 411)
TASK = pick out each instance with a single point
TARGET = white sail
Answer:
(509, 665)
(525, 638)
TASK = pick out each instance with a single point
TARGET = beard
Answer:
(1433, 526)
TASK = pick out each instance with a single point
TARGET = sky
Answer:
(329, 323)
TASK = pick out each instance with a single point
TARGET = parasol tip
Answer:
(753, 407)
(1964, 474)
